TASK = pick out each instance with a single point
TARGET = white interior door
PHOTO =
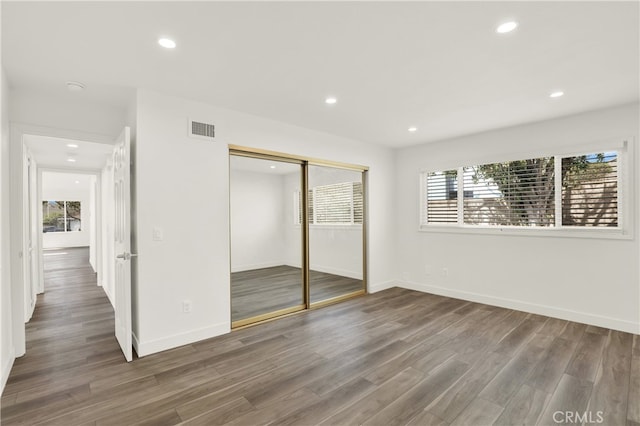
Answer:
(122, 241)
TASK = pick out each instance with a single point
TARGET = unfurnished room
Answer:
(320, 213)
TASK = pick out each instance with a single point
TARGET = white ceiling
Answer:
(438, 66)
(51, 152)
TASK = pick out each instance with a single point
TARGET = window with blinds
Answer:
(335, 204)
(514, 193)
(590, 190)
(578, 191)
(441, 195)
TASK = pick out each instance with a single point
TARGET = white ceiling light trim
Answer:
(71, 160)
(412, 129)
(72, 145)
(167, 43)
(506, 27)
(331, 100)
(556, 94)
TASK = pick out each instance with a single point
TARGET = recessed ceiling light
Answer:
(167, 43)
(412, 129)
(71, 160)
(556, 94)
(74, 86)
(72, 145)
(272, 167)
(77, 181)
(506, 27)
(331, 100)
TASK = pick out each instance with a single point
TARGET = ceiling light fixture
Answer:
(556, 94)
(272, 167)
(167, 43)
(412, 129)
(72, 145)
(71, 160)
(331, 101)
(506, 27)
(74, 86)
(77, 181)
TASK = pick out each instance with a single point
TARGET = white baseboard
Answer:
(337, 271)
(170, 342)
(550, 311)
(241, 268)
(319, 268)
(374, 288)
(7, 365)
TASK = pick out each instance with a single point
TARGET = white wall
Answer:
(7, 352)
(69, 114)
(51, 191)
(586, 280)
(257, 220)
(192, 263)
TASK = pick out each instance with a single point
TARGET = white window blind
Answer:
(515, 193)
(335, 204)
(590, 190)
(441, 194)
(562, 191)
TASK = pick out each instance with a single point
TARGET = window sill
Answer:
(597, 233)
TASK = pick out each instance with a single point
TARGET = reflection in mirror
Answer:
(266, 250)
(336, 214)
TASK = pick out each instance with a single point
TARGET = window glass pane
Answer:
(442, 197)
(590, 190)
(53, 216)
(73, 215)
(514, 193)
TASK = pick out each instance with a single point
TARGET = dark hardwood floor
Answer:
(260, 291)
(394, 357)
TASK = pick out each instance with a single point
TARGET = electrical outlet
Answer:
(406, 276)
(428, 270)
(158, 234)
(445, 272)
(187, 306)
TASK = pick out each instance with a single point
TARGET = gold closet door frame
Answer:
(304, 162)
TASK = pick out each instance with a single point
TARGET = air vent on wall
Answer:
(201, 130)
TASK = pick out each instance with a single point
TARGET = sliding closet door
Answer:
(267, 277)
(336, 233)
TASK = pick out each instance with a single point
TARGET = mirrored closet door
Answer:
(336, 233)
(298, 234)
(266, 247)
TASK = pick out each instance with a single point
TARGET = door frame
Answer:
(305, 162)
(18, 218)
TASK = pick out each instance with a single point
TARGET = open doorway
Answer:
(74, 214)
(70, 212)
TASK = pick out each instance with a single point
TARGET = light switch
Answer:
(158, 234)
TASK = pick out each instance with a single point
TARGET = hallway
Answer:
(69, 338)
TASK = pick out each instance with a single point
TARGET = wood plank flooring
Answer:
(397, 357)
(260, 291)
